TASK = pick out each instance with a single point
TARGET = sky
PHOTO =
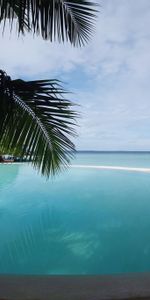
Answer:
(109, 78)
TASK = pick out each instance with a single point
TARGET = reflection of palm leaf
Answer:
(21, 246)
(35, 122)
(67, 20)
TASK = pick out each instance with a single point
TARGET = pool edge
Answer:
(99, 287)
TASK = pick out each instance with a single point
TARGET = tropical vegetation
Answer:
(36, 119)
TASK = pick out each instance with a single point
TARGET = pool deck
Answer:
(135, 286)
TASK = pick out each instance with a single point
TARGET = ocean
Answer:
(86, 220)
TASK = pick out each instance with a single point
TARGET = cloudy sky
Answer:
(109, 78)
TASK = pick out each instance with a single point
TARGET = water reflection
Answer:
(47, 248)
(8, 176)
(81, 223)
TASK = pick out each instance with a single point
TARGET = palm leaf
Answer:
(12, 10)
(71, 20)
(36, 122)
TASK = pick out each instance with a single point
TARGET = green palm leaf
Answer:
(71, 20)
(36, 122)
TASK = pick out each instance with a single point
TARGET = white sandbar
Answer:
(131, 169)
(100, 167)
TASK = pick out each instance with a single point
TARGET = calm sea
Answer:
(85, 221)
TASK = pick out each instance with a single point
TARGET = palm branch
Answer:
(36, 122)
(70, 20)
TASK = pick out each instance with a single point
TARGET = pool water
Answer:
(85, 221)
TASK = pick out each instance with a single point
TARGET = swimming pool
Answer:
(85, 221)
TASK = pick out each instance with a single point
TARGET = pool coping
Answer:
(99, 287)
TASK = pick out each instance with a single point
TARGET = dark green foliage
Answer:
(70, 20)
(36, 122)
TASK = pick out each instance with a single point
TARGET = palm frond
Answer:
(14, 10)
(69, 20)
(36, 122)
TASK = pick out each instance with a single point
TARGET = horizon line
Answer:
(125, 151)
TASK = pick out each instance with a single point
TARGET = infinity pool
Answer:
(85, 221)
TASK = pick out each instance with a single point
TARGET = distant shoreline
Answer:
(117, 168)
(96, 167)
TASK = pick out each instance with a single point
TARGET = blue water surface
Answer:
(85, 221)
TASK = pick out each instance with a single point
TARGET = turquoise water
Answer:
(85, 221)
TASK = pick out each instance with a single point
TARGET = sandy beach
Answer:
(119, 168)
